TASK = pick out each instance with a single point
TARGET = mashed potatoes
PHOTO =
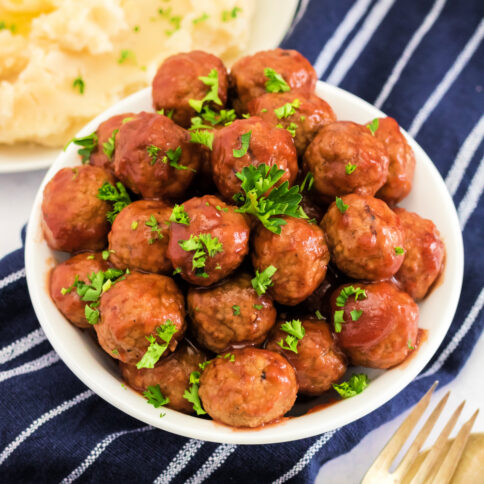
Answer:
(64, 61)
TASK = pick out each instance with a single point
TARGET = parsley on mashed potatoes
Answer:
(62, 62)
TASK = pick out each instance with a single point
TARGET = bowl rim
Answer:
(208, 430)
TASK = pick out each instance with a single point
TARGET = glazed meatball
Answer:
(132, 309)
(300, 255)
(267, 145)
(424, 254)
(402, 162)
(106, 132)
(74, 218)
(345, 157)
(256, 388)
(212, 244)
(386, 330)
(318, 362)
(230, 314)
(178, 80)
(364, 241)
(306, 114)
(62, 278)
(154, 156)
(171, 373)
(139, 237)
(248, 80)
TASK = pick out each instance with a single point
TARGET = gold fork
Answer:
(429, 472)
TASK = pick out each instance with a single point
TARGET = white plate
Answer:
(98, 371)
(267, 32)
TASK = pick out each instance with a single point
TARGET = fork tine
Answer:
(447, 468)
(437, 449)
(390, 451)
(413, 450)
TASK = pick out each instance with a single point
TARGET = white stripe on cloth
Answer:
(36, 424)
(97, 451)
(219, 456)
(451, 75)
(356, 46)
(306, 458)
(469, 203)
(14, 276)
(179, 462)
(21, 345)
(31, 366)
(334, 43)
(464, 157)
(458, 336)
(300, 13)
(417, 37)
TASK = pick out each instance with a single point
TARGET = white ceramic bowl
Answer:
(99, 372)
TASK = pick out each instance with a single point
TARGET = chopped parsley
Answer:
(410, 346)
(155, 397)
(177, 271)
(204, 245)
(202, 137)
(202, 18)
(88, 145)
(356, 314)
(282, 200)
(162, 113)
(179, 215)
(373, 126)
(212, 95)
(355, 385)
(154, 352)
(236, 310)
(136, 28)
(399, 250)
(287, 109)
(318, 314)
(263, 280)
(350, 168)
(275, 82)
(295, 332)
(257, 306)
(230, 14)
(171, 157)
(342, 207)
(225, 117)
(79, 83)
(204, 365)
(108, 146)
(292, 129)
(308, 180)
(338, 320)
(134, 225)
(348, 291)
(106, 253)
(244, 140)
(192, 393)
(153, 151)
(153, 224)
(176, 23)
(116, 194)
(115, 352)
(126, 54)
(222, 209)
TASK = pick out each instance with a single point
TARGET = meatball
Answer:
(178, 80)
(424, 254)
(248, 79)
(345, 157)
(154, 156)
(300, 255)
(230, 314)
(212, 244)
(171, 373)
(132, 309)
(318, 362)
(267, 145)
(364, 240)
(308, 114)
(256, 388)
(139, 237)
(402, 162)
(74, 218)
(384, 330)
(106, 132)
(62, 278)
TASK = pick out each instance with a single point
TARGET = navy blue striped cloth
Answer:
(421, 61)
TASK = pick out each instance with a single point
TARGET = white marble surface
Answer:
(17, 192)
